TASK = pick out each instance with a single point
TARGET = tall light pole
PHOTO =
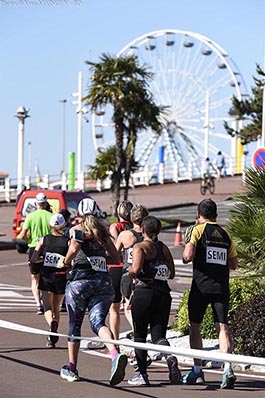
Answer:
(22, 114)
(63, 101)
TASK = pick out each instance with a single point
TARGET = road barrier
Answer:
(211, 356)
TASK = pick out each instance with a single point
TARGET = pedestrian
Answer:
(220, 165)
(125, 242)
(124, 223)
(52, 247)
(90, 286)
(37, 225)
(24, 189)
(152, 266)
(67, 216)
(213, 253)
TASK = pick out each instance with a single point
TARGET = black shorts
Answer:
(116, 273)
(52, 282)
(34, 268)
(198, 302)
(126, 285)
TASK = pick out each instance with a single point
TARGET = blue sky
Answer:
(44, 44)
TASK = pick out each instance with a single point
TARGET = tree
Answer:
(122, 83)
(247, 223)
(250, 109)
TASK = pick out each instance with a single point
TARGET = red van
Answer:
(57, 199)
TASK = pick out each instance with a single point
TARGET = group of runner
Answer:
(97, 266)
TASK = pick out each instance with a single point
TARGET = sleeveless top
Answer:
(91, 256)
(54, 248)
(127, 252)
(155, 271)
(123, 226)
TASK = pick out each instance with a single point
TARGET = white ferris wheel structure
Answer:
(195, 79)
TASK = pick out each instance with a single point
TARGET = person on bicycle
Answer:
(207, 170)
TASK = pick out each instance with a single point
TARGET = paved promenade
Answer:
(154, 197)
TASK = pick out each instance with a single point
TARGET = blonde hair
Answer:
(124, 210)
(95, 228)
(138, 212)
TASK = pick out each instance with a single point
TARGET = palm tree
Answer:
(122, 83)
(247, 223)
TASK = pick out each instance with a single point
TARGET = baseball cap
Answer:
(41, 198)
(57, 221)
(87, 206)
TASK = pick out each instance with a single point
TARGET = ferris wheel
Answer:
(195, 79)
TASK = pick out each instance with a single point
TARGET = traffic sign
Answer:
(259, 158)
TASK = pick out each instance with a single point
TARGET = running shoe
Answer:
(174, 372)
(53, 328)
(228, 381)
(68, 375)
(139, 380)
(49, 343)
(118, 366)
(193, 378)
(40, 310)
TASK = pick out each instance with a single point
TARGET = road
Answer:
(29, 369)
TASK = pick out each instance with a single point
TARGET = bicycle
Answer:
(207, 183)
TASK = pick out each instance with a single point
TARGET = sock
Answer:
(197, 368)
(72, 366)
(113, 353)
(227, 366)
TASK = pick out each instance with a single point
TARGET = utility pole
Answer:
(22, 114)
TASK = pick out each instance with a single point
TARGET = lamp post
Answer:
(63, 101)
(22, 114)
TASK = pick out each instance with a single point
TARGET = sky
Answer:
(45, 43)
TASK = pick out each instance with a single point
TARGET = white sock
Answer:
(227, 366)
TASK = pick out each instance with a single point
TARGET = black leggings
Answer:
(149, 308)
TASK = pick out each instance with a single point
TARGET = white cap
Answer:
(41, 198)
(57, 221)
(87, 206)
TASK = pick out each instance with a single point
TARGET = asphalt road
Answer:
(29, 369)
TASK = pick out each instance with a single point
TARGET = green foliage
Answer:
(249, 109)
(241, 290)
(247, 326)
(247, 223)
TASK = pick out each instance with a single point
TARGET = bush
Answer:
(247, 326)
(241, 290)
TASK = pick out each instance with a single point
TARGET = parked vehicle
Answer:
(56, 198)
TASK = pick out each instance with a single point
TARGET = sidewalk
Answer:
(154, 197)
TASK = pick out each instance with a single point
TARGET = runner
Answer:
(37, 225)
(124, 223)
(52, 278)
(152, 265)
(90, 286)
(213, 253)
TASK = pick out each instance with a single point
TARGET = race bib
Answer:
(52, 260)
(216, 255)
(162, 272)
(129, 255)
(98, 263)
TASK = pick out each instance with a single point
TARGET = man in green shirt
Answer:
(37, 225)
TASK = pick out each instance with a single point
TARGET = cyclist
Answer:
(207, 170)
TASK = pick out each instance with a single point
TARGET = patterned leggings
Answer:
(95, 293)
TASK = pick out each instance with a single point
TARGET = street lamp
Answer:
(63, 101)
(22, 114)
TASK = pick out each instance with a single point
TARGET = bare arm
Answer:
(36, 254)
(188, 253)
(138, 256)
(114, 232)
(73, 249)
(233, 262)
(113, 254)
(170, 261)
